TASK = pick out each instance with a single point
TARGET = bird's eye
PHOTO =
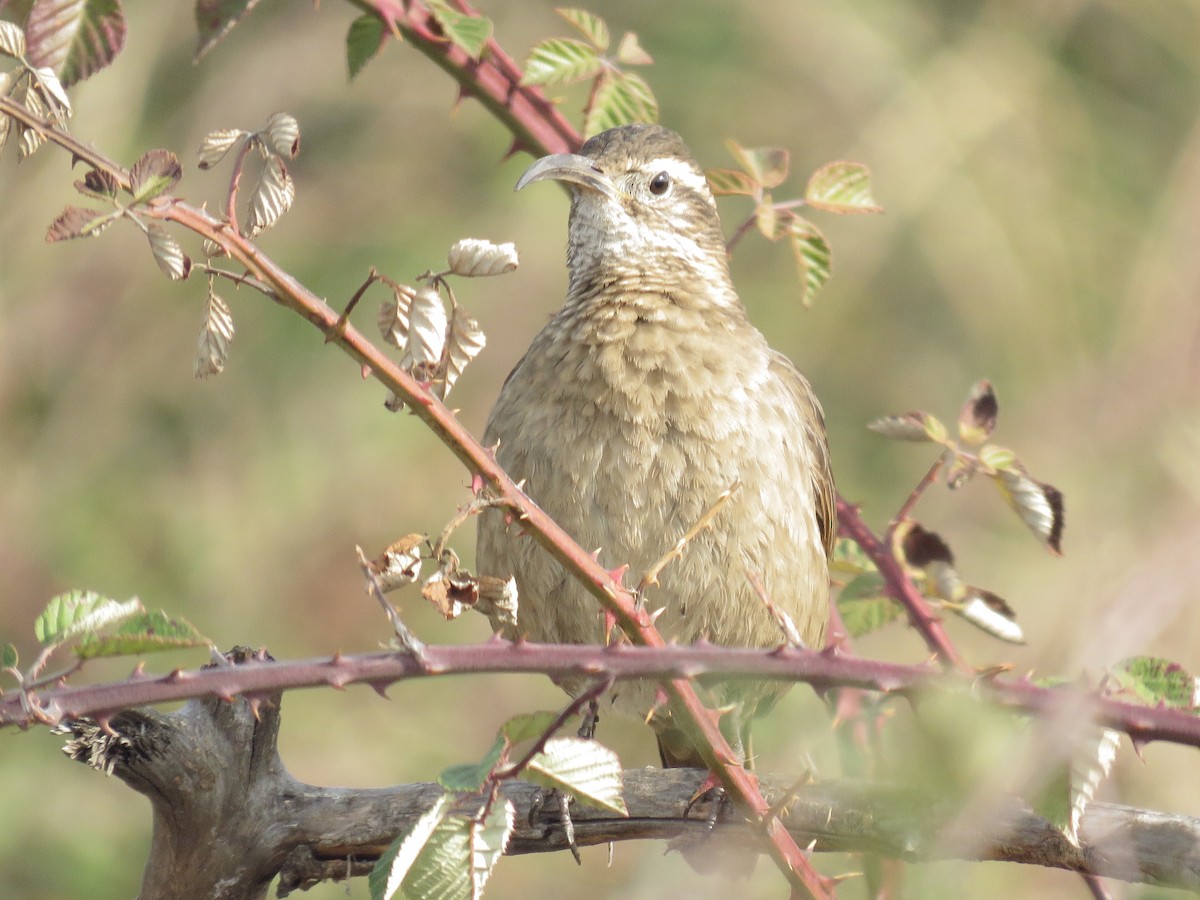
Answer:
(659, 184)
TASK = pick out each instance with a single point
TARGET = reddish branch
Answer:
(257, 678)
(899, 585)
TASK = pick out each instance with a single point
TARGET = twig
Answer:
(408, 641)
(650, 578)
(917, 492)
(899, 585)
(587, 696)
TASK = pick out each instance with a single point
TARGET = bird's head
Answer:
(642, 214)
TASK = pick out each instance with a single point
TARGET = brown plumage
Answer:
(646, 396)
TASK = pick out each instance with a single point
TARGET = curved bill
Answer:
(569, 167)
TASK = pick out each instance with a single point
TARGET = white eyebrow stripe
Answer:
(680, 171)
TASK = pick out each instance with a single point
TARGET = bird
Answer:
(644, 398)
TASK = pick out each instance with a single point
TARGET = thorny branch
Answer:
(822, 670)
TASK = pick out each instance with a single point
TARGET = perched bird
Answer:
(646, 397)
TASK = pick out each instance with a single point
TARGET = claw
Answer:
(562, 802)
(711, 792)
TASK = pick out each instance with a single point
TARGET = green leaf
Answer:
(1066, 797)
(443, 869)
(75, 38)
(768, 166)
(731, 181)
(9, 657)
(864, 607)
(849, 558)
(996, 458)
(489, 839)
(915, 425)
(561, 61)
(150, 632)
(841, 187)
(385, 879)
(154, 172)
(586, 769)
(813, 258)
(528, 726)
(772, 223)
(363, 41)
(80, 612)
(1155, 680)
(468, 33)
(620, 100)
(215, 19)
(592, 27)
(467, 778)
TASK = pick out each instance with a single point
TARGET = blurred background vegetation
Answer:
(1040, 167)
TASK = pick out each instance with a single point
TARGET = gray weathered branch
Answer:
(213, 769)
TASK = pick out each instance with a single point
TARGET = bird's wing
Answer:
(823, 491)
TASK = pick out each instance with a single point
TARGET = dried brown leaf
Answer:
(273, 195)
(1039, 505)
(427, 325)
(170, 257)
(216, 335)
(464, 340)
(475, 258)
(217, 144)
(393, 315)
(74, 222)
(283, 132)
(977, 418)
(400, 562)
(922, 548)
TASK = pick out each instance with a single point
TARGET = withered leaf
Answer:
(977, 418)
(400, 563)
(217, 144)
(990, 613)
(75, 222)
(474, 258)
(464, 340)
(215, 337)
(922, 547)
(1039, 505)
(283, 132)
(451, 593)
(273, 195)
(170, 257)
(427, 326)
(393, 315)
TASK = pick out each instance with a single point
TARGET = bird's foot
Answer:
(712, 793)
(557, 807)
(591, 718)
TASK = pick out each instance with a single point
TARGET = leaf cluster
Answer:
(451, 850)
